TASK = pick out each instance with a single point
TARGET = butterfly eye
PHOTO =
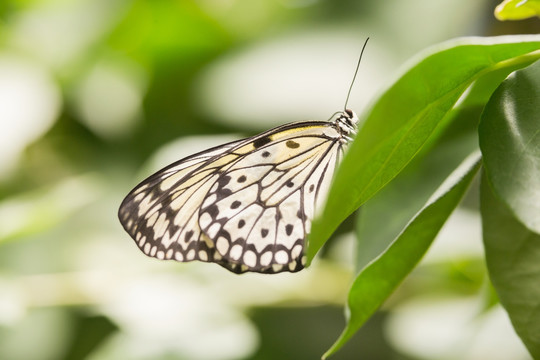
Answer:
(350, 113)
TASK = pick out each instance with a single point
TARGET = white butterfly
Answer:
(246, 205)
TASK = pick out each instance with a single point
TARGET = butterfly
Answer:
(246, 205)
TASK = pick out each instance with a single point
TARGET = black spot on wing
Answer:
(223, 180)
(236, 204)
(223, 193)
(225, 234)
(240, 240)
(292, 144)
(289, 229)
(261, 142)
(212, 210)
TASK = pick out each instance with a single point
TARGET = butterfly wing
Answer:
(246, 205)
(161, 212)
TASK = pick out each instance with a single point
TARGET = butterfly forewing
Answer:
(246, 205)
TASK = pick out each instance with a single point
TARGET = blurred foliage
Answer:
(96, 94)
(517, 9)
(90, 333)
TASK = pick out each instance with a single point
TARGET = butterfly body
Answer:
(246, 205)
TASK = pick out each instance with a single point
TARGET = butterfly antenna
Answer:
(355, 72)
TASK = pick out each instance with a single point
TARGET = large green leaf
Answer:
(406, 115)
(513, 261)
(510, 141)
(385, 215)
(384, 274)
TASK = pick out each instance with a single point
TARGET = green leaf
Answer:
(513, 261)
(509, 135)
(385, 215)
(454, 139)
(510, 141)
(379, 279)
(405, 116)
(517, 9)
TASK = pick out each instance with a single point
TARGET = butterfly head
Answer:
(351, 115)
(347, 123)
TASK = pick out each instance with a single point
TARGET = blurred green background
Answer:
(97, 94)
